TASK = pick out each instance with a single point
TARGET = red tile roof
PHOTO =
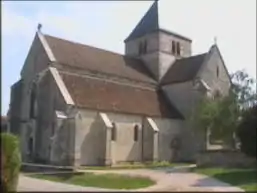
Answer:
(84, 57)
(108, 96)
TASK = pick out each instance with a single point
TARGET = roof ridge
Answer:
(86, 45)
(197, 55)
(102, 73)
(109, 81)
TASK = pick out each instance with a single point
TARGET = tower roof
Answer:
(149, 23)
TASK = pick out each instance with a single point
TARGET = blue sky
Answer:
(107, 24)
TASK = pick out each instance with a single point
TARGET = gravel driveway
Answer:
(166, 180)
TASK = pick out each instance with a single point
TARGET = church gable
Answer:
(37, 58)
(214, 71)
(102, 95)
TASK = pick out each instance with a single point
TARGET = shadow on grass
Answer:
(238, 177)
(243, 178)
(210, 182)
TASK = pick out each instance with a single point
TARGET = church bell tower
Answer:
(156, 47)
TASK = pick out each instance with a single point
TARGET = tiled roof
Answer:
(84, 57)
(103, 95)
(184, 69)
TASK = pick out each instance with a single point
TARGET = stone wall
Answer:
(224, 158)
(93, 143)
(168, 130)
(48, 100)
(148, 141)
(159, 56)
(36, 61)
(124, 148)
(15, 107)
(183, 95)
(166, 44)
(90, 138)
(132, 47)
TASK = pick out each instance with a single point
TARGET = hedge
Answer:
(10, 161)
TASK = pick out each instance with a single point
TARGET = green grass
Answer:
(135, 166)
(109, 181)
(243, 178)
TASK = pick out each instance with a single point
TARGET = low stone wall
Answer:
(224, 158)
(38, 168)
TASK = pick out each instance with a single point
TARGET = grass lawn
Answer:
(243, 178)
(109, 181)
(135, 166)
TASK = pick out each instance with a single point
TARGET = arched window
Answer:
(142, 47)
(178, 48)
(136, 130)
(217, 71)
(32, 101)
(173, 47)
(114, 132)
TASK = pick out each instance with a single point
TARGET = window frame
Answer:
(217, 71)
(178, 50)
(173, 47)
(32, 101)
(114, 132)
(136, 132)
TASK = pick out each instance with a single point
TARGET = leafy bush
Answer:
(246, 131)
(10, 161)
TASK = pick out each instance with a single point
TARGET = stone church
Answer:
(75, 104)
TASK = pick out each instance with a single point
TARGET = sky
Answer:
(105, 24)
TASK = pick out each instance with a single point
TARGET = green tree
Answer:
(221, 114)
(244, 90)
(247, 130)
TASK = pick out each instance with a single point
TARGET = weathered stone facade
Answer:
(59, 124)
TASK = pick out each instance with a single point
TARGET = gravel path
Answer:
(166, 180)
(178, 179)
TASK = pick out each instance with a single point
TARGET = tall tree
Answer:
(247, 131)
(244, 89)
(221, 114)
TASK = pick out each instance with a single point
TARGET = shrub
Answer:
(246, 132)
(10, 161)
